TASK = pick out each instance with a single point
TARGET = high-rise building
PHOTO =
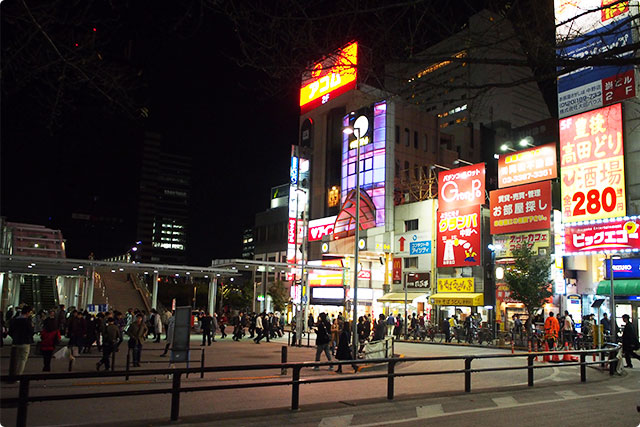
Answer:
(163, 202)
(248, 245)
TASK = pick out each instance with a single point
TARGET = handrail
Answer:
(24, 398)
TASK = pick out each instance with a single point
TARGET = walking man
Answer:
(206, 323)
(137, 333)
(110, 338)
(21, 332)
(259, 328)
(629, 341)
(323, 338)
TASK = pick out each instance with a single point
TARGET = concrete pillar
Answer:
(15, 285)
(90, 286)
(213, 289)
(2, 306)
(75, 287)
(154, 293)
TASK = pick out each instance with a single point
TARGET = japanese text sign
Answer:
(616, 235)
(592, 165)
(459, 242)
(397, 270)
(318, 228)
(503, 293)
(461, 187)
(506, 243)
(522, 208)
(456, 284)
(527, 166)
(329, 78)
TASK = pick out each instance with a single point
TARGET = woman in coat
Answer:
(344, 347)
(170, 328)
(49, 336)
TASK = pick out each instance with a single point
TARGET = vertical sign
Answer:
(397, 270)
(592, 165)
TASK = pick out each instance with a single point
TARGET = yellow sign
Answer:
(461, 299)
(506, 243)
(456, 284)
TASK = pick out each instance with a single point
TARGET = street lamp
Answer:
(613, 299)
(506, 147)
(356, 130)
(464, 162)
(526, 142)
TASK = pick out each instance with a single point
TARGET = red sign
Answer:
(521, 208)
(526, 166)
(459, 242)
(329, 78)
(619, 87)
(592, 165)
(617, 235)
(461, 187)
(291, 231)
(397, 270)
(503, 293)
(318, 228)
(364, 274)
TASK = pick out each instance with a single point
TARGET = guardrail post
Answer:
(393, 347)
(295, 389)
(175, 396)
(23, 395)
(386, 348)
(283, 359)
(126, 369)
(530, 370)
(308, 338)
(391, 370)
(583, 367)
(289, 338)
(113, 360)
(467, 374)
(202, 364)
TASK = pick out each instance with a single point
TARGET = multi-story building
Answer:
(248, 244)
(163, 201)
(35, 240)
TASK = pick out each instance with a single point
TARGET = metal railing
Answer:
(23, 399)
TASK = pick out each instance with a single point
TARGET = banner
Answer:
(527, 166)
(459, 242)
(456, 284)
(592, 165)
(522, 208)
(613, 236)
(397, 270)
(461, 187)
(506, 243)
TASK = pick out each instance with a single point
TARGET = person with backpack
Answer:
(110, 338)
(397, 331)
(391, 324)
(323, 338)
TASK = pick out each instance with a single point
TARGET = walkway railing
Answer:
(176, 389)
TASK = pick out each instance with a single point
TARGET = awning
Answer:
(454, 298)
(620, 287)
(399, 296)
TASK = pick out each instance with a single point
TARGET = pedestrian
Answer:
(344, 347)
(397, 331)
(380, 328)
(206, 323)
(391, 324)
(252, 325)
(362, 336)
(445, 327)
(629, 341)
(323, 328)
(551, 329)
(310, 321)
(49, 338)
(606, 324)
(137, 332)
(165, 322)
(259, 329)
(110, 338)
(77, 331)
(21, 332)
(335, 336)
(266, 326)
(170, 328)
(157, 326)
(567, 328)
(222, 324)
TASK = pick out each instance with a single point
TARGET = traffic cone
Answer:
(535, 348)
(572, 357)
(554, 357)
(512, 349)
(546, 358)
(566, 357)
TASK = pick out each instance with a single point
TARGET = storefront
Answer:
(417, 302)
(627, 294)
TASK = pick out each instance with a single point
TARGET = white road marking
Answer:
(567, 394)
(505, 402)
(492, 408)
(340, 421)
(429, 411)
(618, 388)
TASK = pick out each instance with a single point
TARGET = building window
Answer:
(425, 143)
(406, 137)
(415, 140)
(416, 171)
(397, 134)
(411, 262)
(397, 172)
(406, 169)
(411, 224)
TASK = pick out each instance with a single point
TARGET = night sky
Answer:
(204, 105)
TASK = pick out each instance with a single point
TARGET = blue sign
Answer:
(624, 268)
(420, 248)
(592, 44)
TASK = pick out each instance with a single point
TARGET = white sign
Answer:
(575, 18)
(318, 228)
(421, 242)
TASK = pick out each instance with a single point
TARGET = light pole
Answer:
(356, 131)
(613, 299)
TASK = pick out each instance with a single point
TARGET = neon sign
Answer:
(329, 78)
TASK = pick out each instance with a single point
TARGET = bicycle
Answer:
(485, 335)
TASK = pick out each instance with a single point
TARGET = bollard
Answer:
(583, 368)
(390, 379)
(202, 364)
(530, 370)
(23, 395)
(126, 369)
(283, 359)
(467, 374)
(289, 338)
(175, 397)
(308, 338)
(295, 389)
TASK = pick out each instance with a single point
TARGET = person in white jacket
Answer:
(157, 325)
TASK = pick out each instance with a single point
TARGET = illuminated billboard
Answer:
(459, 238)
(461, 187)
(575, 18)
(527, 166)
(318, 228)
(505, 244)
(372, 173)
(522, 208)
(298, 183)
(329, 78)
(592, 165)
(617, 235)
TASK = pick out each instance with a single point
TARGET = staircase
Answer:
(119, 292)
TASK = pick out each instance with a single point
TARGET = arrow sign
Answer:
(401, 240)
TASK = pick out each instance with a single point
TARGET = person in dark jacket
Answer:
(110, 338)
(49, 337)
(629, 341)
(380, 329)
(206, 323)
(323, 337)
(21, 332)
(344, 347)
(137, 332)
(445, 327)
(77, 331)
